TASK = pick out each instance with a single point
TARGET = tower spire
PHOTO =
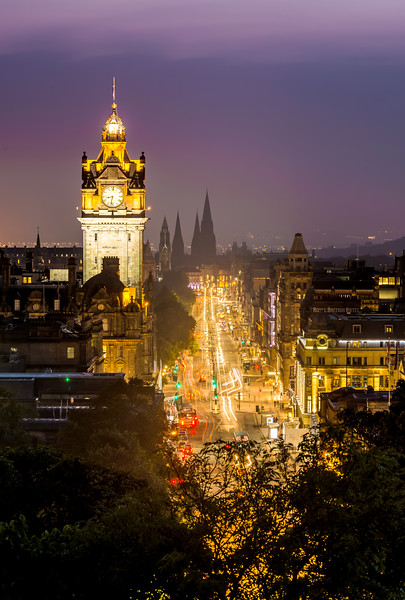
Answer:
(207, 237)
(113, 93)
(177, 245)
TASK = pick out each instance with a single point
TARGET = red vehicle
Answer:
(188, 418)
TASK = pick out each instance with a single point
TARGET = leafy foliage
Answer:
(174, 327)
(122, 430)
(12, 432)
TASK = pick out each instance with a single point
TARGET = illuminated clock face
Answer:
(112, 196)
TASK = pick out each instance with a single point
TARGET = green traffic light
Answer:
(178, 385)
(67, 378)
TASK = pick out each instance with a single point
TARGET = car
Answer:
(241, 436)
(188, 449)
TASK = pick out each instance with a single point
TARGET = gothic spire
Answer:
(207, 236)
(177, 245)
(196, 241)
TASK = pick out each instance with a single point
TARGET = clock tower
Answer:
(113, 206)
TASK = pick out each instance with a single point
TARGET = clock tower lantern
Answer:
(113, 206)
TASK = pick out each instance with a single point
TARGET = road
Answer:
(224, 397)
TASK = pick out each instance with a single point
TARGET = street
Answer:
(226, 396)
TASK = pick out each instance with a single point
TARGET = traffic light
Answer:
(67, 379)
(178, 384)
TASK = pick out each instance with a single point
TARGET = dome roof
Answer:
(108, 279)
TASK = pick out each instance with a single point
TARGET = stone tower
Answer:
(177, 246)
(293, 279)
(113, 206)
(165, 249)
(207, 236)
(196, 243)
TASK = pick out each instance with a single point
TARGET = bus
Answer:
(188, 417)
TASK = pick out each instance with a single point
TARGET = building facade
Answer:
(338, 351)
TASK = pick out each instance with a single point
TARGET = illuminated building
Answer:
(293, 279)
(113, 206)
(337, 351)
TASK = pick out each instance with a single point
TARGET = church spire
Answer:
(207, 237)
(38, 244)
(165, 250)
(196, 242)
(177, 246)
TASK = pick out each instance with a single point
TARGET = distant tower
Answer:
(38, 244)
(207, 237)
(196, 243)
(165, 249)
(177, 246)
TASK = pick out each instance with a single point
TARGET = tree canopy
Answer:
(174, 326)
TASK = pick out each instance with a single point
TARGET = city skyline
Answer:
(290, 116)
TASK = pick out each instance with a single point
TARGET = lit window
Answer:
(17, 304)
(388, 329)
(56, 304)
(70, 352)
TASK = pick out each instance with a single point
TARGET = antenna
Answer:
(113, 90)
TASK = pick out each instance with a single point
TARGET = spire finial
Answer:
(113, 93)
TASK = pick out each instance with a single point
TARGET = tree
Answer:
(69, 529)
(177, 282)
(12, 432)
(174, 327)
(122, 430)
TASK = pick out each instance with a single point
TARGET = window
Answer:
(17, 304)
(56, 304)
(95, 237)
(70, 352)
(120, 352)
(336, 360)
(356, 381)
(321, 360)
(356, 328)
(336, 382)
(95, 260)
(388, 329)
(129, 237)
(309, 360)
(349, 361)
(356, 361)
(382, 361)
(365, 381)
(365, 361)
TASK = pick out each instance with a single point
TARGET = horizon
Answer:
(290, 116)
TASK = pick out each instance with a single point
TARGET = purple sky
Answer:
(290, 113)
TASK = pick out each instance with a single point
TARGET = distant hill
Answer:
(390, 249)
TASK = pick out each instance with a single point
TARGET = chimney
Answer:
(28, 261)
(111, 262)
